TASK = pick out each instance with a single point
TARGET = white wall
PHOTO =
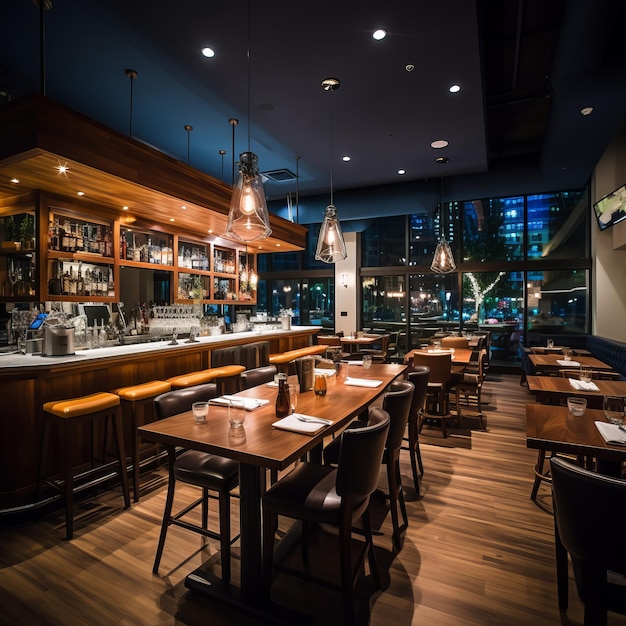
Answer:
(609, 268)
(345, 297)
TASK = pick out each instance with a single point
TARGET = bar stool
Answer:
(134, 400)
(69, 415)
(200, 377)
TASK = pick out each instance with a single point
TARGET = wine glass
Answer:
(293, 397)
(585, 374)
(613, 407)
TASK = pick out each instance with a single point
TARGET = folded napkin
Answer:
(249, 404)
(611, 433)
(353, 362)
(565, 363)
(272, 384)
(292, 423)
(581, 385)
(363, 382)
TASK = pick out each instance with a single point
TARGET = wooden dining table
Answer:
(552, 429)
(554, 389)
(551, 362)
(259, 446)
(460, 356)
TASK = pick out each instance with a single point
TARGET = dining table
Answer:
(544, 362)
(559, 350)
(460, 356)
(552, 428)
(554, 389)
(258, 446)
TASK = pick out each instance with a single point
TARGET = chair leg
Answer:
(541, 457)
(167, 513)
(395, 496)
(116, 419)
(270, 524)
(68, 455)
(414, 453)
(371, 553)
(347, 578)
(224, 504)
(205, 509)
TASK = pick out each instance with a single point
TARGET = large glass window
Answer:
(434, 302)
(384, 301)
(384, 243)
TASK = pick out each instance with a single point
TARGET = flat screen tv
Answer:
(611, 209)
(95, 313)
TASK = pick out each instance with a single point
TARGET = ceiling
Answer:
(526, 69)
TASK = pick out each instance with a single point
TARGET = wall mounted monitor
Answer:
(611, 209)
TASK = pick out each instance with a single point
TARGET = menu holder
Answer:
(304, 369)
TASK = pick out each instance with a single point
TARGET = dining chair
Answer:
(437, 401)
(452, 341)
(469, 387)
(210, 472)
(380, 351)
(586, 506)
(337, 496)
(397, 401)
(419, 377)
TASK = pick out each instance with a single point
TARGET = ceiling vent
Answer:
(279, 176)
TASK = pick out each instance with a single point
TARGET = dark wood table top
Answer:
(559, 385)
(544, 361)
(460, 356)
(361, 341)
(551, 427)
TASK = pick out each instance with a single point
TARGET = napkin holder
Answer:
(304, 369)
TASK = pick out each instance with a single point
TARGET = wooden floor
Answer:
(477, 550)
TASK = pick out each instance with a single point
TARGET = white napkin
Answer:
(353, 362)
(565, 363)
(581, 385)
(363, 382)
(611, 433)
(292, 423)
(249, 404)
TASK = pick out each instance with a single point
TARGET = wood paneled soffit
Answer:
(37, 135)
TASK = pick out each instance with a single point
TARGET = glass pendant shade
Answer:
(248, 218)
(443, 261)
(331, 246)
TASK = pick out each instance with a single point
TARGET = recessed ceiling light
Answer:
(442, 159)
(62, 169)
(409, 67)
(208, 52)
(124, 208)
(439, 143)
(183, 207)
(80, 193)
(401, 172)
(345, 158)
(586, 110)
(454, 88)
(172, 219)
(379, 34)
(15, 180)
(210, 231)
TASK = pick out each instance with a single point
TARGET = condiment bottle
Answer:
(282, 398)
(320, 385)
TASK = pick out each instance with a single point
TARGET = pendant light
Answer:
(443, 260)
(331, 246)
(248, 218)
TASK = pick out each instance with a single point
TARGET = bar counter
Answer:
(27, 381)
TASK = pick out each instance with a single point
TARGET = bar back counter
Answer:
(27, 381)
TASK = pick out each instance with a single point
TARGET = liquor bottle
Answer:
(282, 398)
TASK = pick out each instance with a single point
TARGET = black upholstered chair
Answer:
(210, 472)
(397, 402)
(586, 507)
(337, 496)
(253, 355)
(258, 376)
(419, 377)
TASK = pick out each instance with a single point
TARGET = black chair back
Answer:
(360, 456)
(255, 354)
(585, 502)
(180, 400)
(419, 377)
(397, 402)
(258, 376)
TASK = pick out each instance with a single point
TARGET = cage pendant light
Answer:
(443, 259)
(331, 246)
(248, 218)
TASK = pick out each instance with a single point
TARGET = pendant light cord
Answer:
(249, 73)
(330, 110)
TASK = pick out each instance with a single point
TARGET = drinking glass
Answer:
(367, 361)
(613, 407)
(576, 405)
(585, 374)
(236, 414)
(200, 410)
(567, 354)
(550, 343)
(294, 390)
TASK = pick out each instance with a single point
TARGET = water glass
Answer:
(236, 414)
(567, 354)
(294, 390)
(576, 405)
(585, 374)
(367, 361)
(550, 343)
(613, 407)
(200, 411)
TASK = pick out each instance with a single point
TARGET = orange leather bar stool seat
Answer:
(135, 400)
(283, 359)
(201, 377)
(68, 415)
